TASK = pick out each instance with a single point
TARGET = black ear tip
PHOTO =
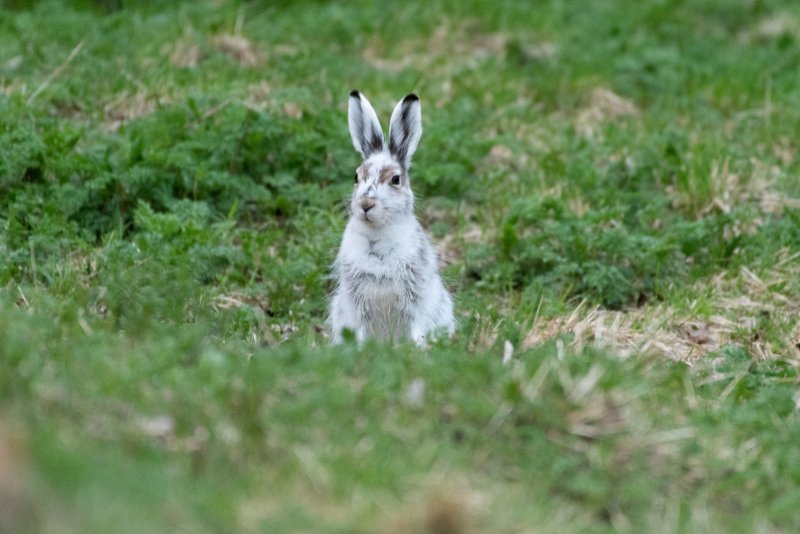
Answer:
(411, 98)
(355, 94)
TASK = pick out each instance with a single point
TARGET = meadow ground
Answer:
(613, 188)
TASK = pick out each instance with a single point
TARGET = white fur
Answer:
(388, 283)
(364, 125)
(397, 132)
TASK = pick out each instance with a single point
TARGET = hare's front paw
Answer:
(418, 336)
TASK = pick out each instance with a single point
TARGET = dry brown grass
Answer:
(240, 49)
(651, 330)
(258, 95)
(184, 53)
(451, 49)
(458, 45)
(604, 106)
(439, 505)
(127, 106)
(17, 512)
(729, 189)
(263, 333)
(685, 335)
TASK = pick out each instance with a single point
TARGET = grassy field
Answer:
(613, 187)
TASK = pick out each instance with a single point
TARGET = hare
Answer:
(388, 286)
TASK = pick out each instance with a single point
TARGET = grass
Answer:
(613, 186)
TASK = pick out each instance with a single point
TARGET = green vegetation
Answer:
(614, 189)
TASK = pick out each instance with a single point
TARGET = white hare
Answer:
(388, 284)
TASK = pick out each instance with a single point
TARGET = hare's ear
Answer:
(405, 129)
(364, 126)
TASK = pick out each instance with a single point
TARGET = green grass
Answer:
(172, 186)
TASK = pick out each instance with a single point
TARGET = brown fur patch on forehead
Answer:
(363, 170)
(389, 171)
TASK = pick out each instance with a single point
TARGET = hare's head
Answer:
(382, 189)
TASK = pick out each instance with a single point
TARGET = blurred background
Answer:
(613, 189)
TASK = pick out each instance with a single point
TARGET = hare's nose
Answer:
(366, 204)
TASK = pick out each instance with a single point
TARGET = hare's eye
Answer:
(396, 179)
(356, 177)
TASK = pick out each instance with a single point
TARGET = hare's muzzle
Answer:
(366, 204)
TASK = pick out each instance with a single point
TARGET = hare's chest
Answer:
(381, 275)
(381, 297)
(377, 283)
(384, 306)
